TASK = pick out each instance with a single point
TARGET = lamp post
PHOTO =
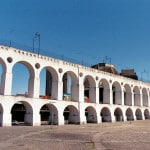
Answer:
(107, 58)
(35, 38)
(147, 74)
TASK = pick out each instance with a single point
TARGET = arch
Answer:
(145, 97)
(1, 115)
(118, 114)
(91, 116)
(146, 114)
(23, 72)
(136, 92)
(22, 113)
(70, 86)
(90, 89)
(127, 95)
(71, 115)
(116, 93)
(104, 92)
(49, 114)
(106, 115)
(129, 114)
(48, 83)
(2, 75)
(138, 114)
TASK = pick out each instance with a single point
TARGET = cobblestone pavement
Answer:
(104, 136)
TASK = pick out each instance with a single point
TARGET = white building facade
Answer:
(123, 99)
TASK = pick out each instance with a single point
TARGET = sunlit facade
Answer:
(90, 96)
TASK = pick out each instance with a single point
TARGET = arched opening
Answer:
(22, 114)
(91, 116)
(136, 92)
(106, 115)
(138, 114)
(1, 115)
(116, 93)
(146, 114)
(104, 92)
(89, 89)
(2, 76)
(70, 87)
(1, 72)
(145, 97)
(49, 115)
(129, 115)
(48, 83)
(118, 114)
(127, 95)
(23, 79)
(71, 115)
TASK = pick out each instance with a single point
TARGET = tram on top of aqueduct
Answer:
(74, 94)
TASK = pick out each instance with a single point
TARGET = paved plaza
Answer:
(105, 136)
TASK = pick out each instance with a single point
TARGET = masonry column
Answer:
(81, 87)
(60, 116)
(33, 89)
(81, 107)
(33, 116)
(6, 119)
(81, 103)
(122, 96)
(124, 115)
(133, 96)
(6, 83)
(36, 117)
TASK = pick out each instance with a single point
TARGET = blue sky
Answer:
(85, 30)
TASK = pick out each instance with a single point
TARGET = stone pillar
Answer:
(36, 118)
(34, 88)
(6, 119)
(124, 115)
(58, 90)
(82, 113)
(99, 118)
(6, 83)
(60, 118)
(113, 118)
(143, 116)
(133, 96)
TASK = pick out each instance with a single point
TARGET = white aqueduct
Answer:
(123, 99)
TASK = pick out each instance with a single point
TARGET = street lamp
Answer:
(35, 38)
(147, 74)
(107, 58)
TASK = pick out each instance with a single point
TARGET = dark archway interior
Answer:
(18, 113)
